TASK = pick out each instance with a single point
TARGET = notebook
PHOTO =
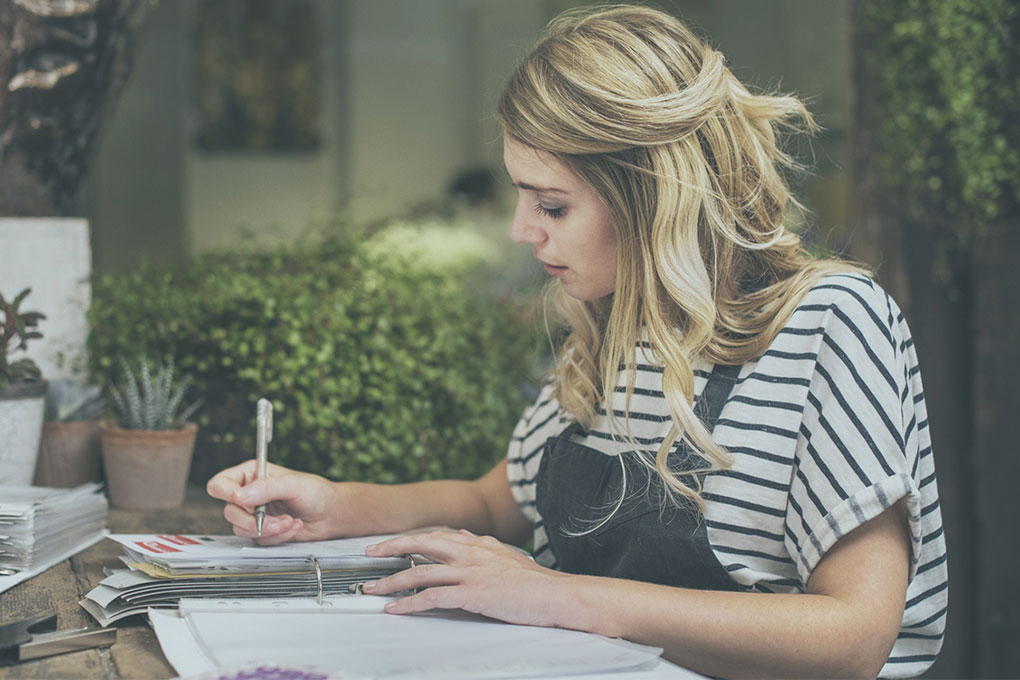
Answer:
(163, 568)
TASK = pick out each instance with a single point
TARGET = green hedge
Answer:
(377, 371)
(946, 84)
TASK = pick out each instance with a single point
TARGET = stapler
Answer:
(38, 637)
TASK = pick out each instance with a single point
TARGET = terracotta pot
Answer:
(68, 454)
(147, 469)
(21, 420)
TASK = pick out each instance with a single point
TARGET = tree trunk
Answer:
(60, 62)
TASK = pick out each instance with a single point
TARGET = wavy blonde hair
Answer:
(689, 163)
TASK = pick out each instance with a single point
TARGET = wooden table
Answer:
(136, 654)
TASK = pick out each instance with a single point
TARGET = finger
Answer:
(290, 534)
(287, 488)
(418, 576)
(440, 597)
(438, 546)
(244, 522)
(225, 483)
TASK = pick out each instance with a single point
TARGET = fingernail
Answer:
(243, 495)
(368, 586)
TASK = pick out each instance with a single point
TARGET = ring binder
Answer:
(318, 579)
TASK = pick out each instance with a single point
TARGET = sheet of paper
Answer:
(447, 645)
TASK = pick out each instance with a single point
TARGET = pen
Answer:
(263, 435)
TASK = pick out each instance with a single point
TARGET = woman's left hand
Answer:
(475, 573)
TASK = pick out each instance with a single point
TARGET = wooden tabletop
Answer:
(136, 654)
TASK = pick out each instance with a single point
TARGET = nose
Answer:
(523, 229)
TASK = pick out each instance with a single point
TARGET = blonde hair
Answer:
(689, 164)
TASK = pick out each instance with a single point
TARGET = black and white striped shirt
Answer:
(827, 429)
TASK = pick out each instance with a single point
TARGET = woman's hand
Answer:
(475, 573)
(299, 506)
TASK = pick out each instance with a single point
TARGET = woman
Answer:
(731, 459)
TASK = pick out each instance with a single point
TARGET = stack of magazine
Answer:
(40, 526)
(162, 569)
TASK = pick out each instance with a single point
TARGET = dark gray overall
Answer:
(647, 539)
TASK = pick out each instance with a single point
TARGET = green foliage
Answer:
(17, 329)
(147, 399)
(377, 371)
(946, 77)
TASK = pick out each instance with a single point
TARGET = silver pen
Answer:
(263, 435)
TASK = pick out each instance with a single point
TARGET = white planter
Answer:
(21, 421)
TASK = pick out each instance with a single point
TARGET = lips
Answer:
(554, 270)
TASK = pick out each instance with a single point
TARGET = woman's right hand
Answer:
(299, 506)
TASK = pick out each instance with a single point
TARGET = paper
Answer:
(167, 567)
(195, 554)
(376, 645)
(42, 526)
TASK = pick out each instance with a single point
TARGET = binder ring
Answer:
(318, 580)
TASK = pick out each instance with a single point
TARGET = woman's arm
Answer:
(305, 507)
(845, 626)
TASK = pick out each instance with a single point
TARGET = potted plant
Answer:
(22, 394)
(147, 450)
(69, 452)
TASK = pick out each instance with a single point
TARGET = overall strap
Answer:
(716, 392)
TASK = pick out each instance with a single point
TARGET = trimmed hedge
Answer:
(377, 371)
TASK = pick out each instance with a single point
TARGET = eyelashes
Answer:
(553, 213)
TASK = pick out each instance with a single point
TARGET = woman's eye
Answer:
(554, 213)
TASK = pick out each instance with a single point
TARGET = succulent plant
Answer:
(67, 401)
(18, 328)
(149, 399)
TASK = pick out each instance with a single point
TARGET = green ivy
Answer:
(946, 88)
(377, 371)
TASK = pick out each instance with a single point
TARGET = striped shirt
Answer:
(827, 429)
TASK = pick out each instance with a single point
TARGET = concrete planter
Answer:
(69, 454)
(21, 421)
(146, 469)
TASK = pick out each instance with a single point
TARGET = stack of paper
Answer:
(165, 568)
(40, 525)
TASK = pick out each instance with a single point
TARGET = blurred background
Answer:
(304, 199)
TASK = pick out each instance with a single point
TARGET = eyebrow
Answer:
(540, 190)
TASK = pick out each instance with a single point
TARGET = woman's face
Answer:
(568, 226)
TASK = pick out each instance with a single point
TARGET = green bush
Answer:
(377, 371)
(946, 80)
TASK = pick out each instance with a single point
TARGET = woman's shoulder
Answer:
(851, 302)
(850, 291)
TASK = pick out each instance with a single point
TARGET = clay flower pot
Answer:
(147, 469)
(68, 454)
